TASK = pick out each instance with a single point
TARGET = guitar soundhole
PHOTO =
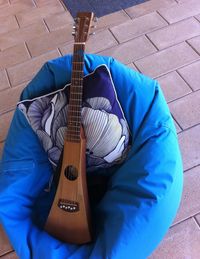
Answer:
(71, 172)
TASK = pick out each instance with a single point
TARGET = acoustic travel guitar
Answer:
(69, 218)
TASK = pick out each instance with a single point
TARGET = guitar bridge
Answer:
(68, 206)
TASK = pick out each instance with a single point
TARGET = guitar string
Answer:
(76, 98)
(77, 83)
(81, 59)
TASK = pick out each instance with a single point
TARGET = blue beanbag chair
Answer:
(143, 190)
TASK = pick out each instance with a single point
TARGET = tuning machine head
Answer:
(95, 19)
(94, 26)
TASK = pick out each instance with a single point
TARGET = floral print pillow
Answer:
(105, 127)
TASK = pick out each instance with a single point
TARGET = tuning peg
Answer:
(74, 26)
(92, 33)
(94, 26)
(73, 33)
(95, 19)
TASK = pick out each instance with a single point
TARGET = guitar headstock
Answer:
(83, 24)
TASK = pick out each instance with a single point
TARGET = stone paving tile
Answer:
(182, 1)
(1, 150)
(148, 7)
(10, 97)
(189, 141)
(25, 71)
(167, 60)
(175, 33)
(5, 120)
(4, 80)
(59, 21)
(14, 55)
(190, 204)
(3, 2)
(23, 34)
(191, 75)
(5, 246)
(173, 86)
(29, 17)
(16, 7)
(181, 241)
(41, 3)
(22, 1)
(98, 42)
(8, 23)
(131, 50)
(187, 110)
(195, 43)
(49, 41)
(181, 11)
(138, 26)
(10, 256)
(112, 19)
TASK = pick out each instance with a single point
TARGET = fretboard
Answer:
(76, 92)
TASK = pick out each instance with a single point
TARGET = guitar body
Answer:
(69, 217)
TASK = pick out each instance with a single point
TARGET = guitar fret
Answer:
(77, 112)
(77, 71)
(73, 121)
(75, 82)
(74, 127)
(72, 139)
(75, 104)
(74, 94)
(77, 87)
(73, 131)
(78, 66)
(76, 90)
(74, 124)
(73, 135)
(75, 99)
(75, 117)
(77, 79)
(78, 63)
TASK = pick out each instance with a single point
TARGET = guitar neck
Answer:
(76, 93)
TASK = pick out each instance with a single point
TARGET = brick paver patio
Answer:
(160, 38)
